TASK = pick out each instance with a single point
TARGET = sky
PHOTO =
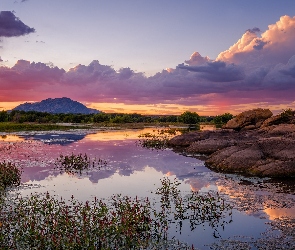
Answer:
(149, 56)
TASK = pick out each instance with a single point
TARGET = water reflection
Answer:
(61, 139)
(204, 127)
(133, 170)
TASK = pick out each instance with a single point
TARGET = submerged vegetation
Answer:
(43, 221)
(75, 164)
(10, 175)
(120, 222)
(158, 139)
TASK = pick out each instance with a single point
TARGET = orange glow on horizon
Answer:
(9, 105)
(153, 109)
(211, 109)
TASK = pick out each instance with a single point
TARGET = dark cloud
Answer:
(254, 30)
(1, 60)
(217, 71)
(125, 73)
(11, 26)
(289, 69)
(259, 44)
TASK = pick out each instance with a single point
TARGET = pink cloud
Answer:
(257, 68)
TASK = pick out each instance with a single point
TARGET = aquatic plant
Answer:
(158, 139)
(75, 164)
(43, 221)
(10, 174)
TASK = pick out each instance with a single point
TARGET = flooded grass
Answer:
(14, 127)
(77, 163)
(43, 221)
(10, 175)
(238, 212)
(157, 139)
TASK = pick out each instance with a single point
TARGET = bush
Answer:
(10, 175)
(189, 117)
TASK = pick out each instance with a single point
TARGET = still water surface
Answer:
(135, 171)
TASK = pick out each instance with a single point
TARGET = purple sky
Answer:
(112, 55)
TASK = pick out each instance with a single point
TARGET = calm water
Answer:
(133, 170)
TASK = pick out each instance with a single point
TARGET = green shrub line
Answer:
(120, 222)
(15, 127)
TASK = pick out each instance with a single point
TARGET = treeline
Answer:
(43, 117)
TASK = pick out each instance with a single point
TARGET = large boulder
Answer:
(287, 117)
(250, 119)
(268, 150)
(187, 139)
(273, 157)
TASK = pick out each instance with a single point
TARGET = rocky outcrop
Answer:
(250, 119)
(268, 150)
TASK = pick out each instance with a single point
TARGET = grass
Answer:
(158, 139)
(76, 164)
(10, 175)
(43, 221)
(15, 127)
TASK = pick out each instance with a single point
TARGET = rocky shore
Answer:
(254, 143)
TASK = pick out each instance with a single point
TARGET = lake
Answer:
(263, 211)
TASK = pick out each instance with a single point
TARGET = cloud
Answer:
(217, 71)
(256, 69)
(274, 46)
(197, 59)
(259, 44)
(254, 30)
(1, 60)
(11, 26)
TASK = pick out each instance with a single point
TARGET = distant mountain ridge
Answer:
(57, 106)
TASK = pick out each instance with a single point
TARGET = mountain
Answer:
(57, 105)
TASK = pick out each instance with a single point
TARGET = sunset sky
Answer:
(149, 56)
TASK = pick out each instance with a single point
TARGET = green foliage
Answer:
(3, 116)
(222, 119)
(75, 164)
(10, 174)
(189, 117)
(287, 114)
(45, 222)
(158, 139)
(10, 126)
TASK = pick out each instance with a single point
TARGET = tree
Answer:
(222, 119)
(189, 117)
(3, 116)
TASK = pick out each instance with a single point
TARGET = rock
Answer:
(235, 159)
(214, 141)
(267, 151)
(272, 157)
(279, 130)
(248, 118)
(209, 146)
(283, 118)
(186, 139)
